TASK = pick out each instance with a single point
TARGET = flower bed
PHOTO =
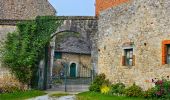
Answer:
(161, 90)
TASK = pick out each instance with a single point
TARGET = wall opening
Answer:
(73, 70)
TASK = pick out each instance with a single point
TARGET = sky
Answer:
(74, 7)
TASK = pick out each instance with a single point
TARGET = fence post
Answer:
(65, 76)
(92, 76)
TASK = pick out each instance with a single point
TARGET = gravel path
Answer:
(71, 97)
(46, 97)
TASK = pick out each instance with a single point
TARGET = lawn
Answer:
(98, 96)
(21, 95)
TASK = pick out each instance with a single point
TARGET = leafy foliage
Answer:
(99, 96)
(98, 82)
(117, 88)
(150, 93)
(24, 48)
(133, 91)
(162, 88)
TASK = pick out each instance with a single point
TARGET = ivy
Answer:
(24, 48)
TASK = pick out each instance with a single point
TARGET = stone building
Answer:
(134, 40)
(14, 11)
(77, 53)
(132, 43)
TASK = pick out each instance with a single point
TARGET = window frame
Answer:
(164, 51)
(167, 54)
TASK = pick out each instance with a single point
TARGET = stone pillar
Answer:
(52, 45)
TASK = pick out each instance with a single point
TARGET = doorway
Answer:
(73, 70)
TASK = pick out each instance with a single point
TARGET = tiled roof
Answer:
(75, 45)
(24, 9)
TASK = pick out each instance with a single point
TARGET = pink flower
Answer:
(160, 81)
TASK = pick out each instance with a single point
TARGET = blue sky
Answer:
(74, 7)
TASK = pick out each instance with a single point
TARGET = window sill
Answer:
(167, 65)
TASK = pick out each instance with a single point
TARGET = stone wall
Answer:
(86, 26)
(82, 61)
(4, 29)
(146, 24)
(13, 11)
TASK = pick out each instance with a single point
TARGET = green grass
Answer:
(21, 95)
(58, 95)
(98, 96)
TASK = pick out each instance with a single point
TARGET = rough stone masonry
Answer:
(142, 25)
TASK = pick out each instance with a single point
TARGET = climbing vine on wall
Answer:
(24, 48)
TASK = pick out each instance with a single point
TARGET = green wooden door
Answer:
(73, 70)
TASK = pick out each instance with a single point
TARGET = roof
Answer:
(74, 45)
(25, 9)
(105, 4)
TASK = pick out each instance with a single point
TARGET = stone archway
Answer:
(86, 26)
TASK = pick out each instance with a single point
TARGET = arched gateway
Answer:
(75, 53)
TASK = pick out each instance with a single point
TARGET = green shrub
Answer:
(98, 82)
(162, 88)
(133, 91)
(94, 87)
(117, 88)
(150, 93)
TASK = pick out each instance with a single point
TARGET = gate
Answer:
(67, 78)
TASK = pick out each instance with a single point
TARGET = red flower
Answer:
(160, 81)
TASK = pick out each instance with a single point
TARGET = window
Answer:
(165, 52)
(128, 59)
(58, 55)
(168, 54)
